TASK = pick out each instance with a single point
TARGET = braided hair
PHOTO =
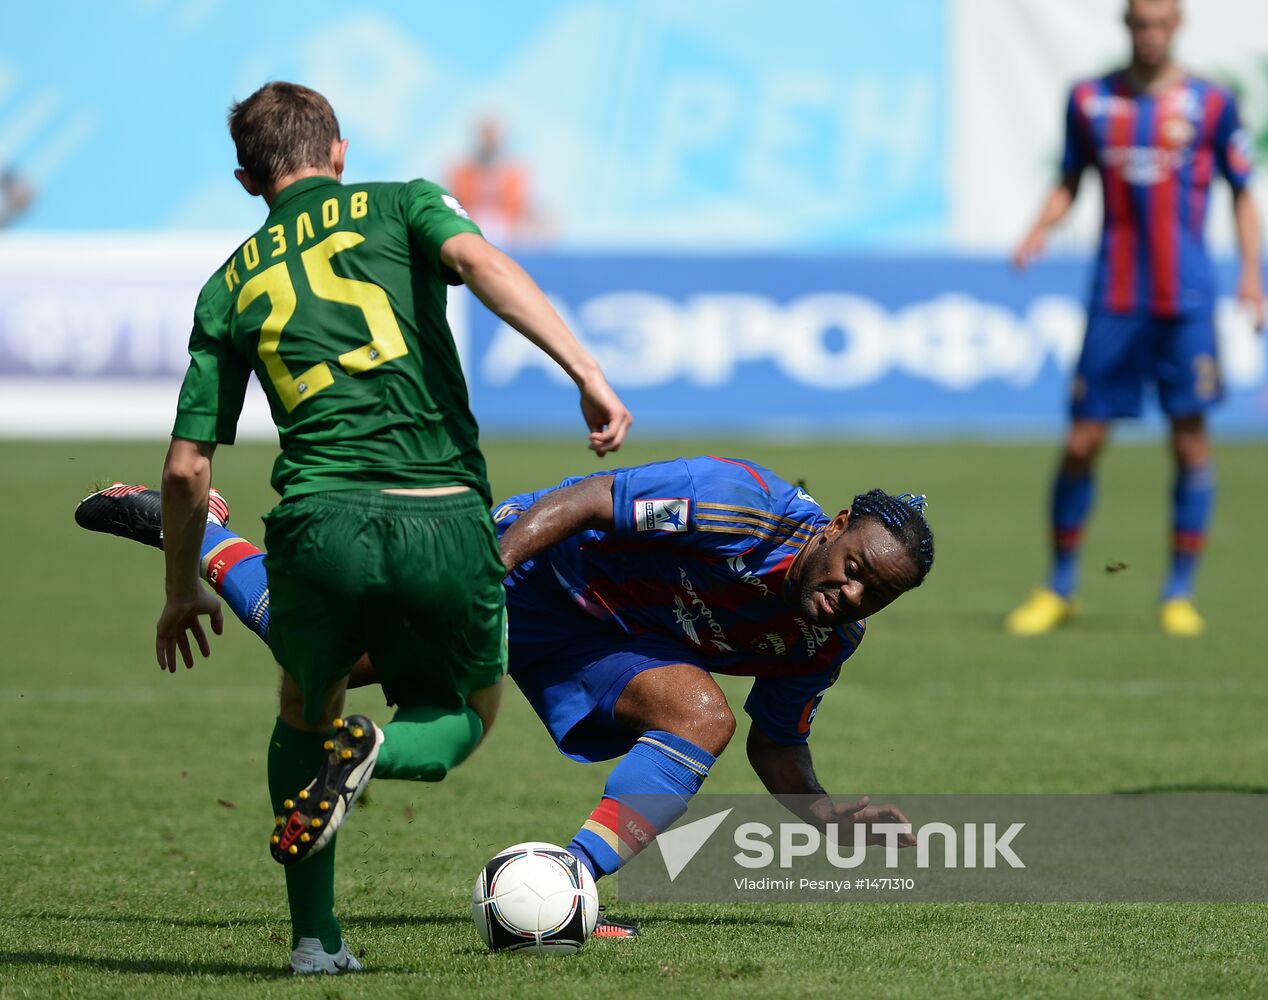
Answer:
(904, 517)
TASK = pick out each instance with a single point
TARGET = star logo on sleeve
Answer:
(662, 514)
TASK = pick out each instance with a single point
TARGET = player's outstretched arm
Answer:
(186, 482)
(583, 506)
(1054, 209)
(507, 290)
(1250, 285)
(788, 771)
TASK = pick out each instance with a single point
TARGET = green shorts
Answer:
(414, 581)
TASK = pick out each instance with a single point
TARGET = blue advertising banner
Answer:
(910, 346)
(876, 346)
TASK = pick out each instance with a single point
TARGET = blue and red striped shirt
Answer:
(1157, 155)
(698, 554)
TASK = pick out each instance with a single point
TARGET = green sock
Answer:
(423, 744)
(294, 759)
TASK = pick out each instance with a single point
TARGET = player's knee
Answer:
(1190, 443)
(1081, 452)
(1192, 459)
(1081, 449)
(292, 713)
(710, 727)
(721, 729)
(680, 699)
(291, 705)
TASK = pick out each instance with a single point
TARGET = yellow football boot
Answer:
(1041, 612)
(1179, 617)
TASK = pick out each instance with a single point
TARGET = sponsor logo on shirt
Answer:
(694, 610)
(812, 706)
(808, 713)
(1144, 165)
(771, 644)
(686, 620)
(774, 644)
(1177, 132)
(661, 514)
(1183, 102)
(748, 576)
(813, 636)
(1096, 105)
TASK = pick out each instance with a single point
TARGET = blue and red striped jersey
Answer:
(1157, 155)
(698, 554)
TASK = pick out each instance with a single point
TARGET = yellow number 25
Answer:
(386, 340)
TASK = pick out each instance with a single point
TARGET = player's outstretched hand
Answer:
(862, 811)
(1250, 292)
(178, 621)
(1029, 249)
(605, 415)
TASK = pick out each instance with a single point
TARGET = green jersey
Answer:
(338, 305)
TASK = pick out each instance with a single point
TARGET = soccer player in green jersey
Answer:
(383, 539)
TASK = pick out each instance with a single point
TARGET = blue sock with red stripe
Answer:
(1071, 501)
(645, 793)
(235, 569)
(1192, 498)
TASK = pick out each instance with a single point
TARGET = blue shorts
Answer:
(1123, 352)
(573, 668)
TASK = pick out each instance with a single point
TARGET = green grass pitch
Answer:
(132, 834)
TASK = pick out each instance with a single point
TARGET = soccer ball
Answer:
(535, 897)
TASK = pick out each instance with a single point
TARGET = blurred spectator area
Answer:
(16, 195)
(496, 190)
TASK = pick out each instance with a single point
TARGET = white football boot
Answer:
(310, 959)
